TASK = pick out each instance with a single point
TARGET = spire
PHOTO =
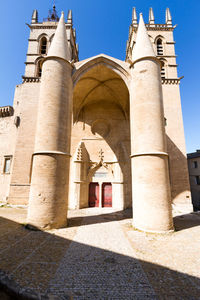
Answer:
(134, 16)
(59, 46)
(34, 17)
(151, 16)
(69, 17)
(143, 46)
(168, 17)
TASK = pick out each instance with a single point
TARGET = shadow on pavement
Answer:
(103, 218)
(187, 221)
(30, 260)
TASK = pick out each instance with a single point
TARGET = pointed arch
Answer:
(38, 66)
(163, 71)
(118, 66)
(103, 77)
(43, 40)
(159, 42)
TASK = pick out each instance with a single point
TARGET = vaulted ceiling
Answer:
(100, 83)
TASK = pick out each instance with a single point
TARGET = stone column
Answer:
(152, 210)
(118, 188)
(50, 169)
(100, 193)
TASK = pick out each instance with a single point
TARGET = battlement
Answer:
(6, 111)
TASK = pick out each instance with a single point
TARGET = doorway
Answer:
(106, 194)
(94, 194)
(100, 196)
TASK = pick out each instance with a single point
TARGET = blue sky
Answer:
(102, 27)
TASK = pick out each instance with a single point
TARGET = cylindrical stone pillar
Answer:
(150, 176)
(118, 188)
(50, 169)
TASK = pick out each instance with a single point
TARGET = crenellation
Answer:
(6, 111)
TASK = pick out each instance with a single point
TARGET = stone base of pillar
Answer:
(49, 192)
(152, 231)
(152, 211)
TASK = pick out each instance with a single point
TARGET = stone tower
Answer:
(22, 138)
(50, 169)
(151, 190)
(162, 39)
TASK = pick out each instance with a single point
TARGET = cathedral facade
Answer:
(100, 132)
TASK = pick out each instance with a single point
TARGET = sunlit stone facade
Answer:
(98, 132)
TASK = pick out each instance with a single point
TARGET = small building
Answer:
(194, 175)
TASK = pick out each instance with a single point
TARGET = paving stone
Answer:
(100, 264)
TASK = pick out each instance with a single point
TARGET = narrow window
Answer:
(197, 179)
(39, 68)
(195, 164)
(159, 47)
(162, 72)
(43, 45)
(7, 164)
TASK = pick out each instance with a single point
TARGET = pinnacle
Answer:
(168, 17)
(151, 16)
(143, 46)
(59, 46)
(134, 16)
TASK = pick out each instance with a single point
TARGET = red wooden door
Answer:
(106, 194)
(94, 194)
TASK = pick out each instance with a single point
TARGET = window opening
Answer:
(39, 68)
(43, 45)
(195, 164)
(197, 179)
(162, 72)
(159, 47)
(7, 164)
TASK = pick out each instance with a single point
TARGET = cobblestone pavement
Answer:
(100, 256)
(100, 264)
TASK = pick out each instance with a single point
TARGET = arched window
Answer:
(159, 47)
(39, 68)
(43, 45)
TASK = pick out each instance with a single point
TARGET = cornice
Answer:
(45, 26)
(171, 80)
(30, 79)
(164, 80)
(156, 27)
(32, 54)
